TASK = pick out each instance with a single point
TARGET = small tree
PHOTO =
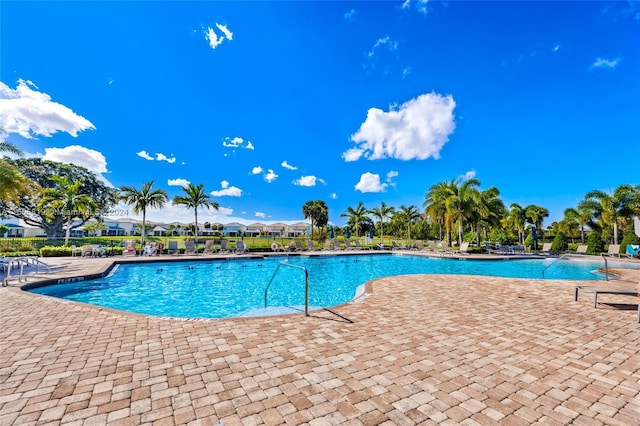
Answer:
(560, 243)
(595, 244)
(95, 228)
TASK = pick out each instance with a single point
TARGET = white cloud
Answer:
(27, 112)
(391, 175)
(605, 63)
(307, 181)
(333, 196)
(350, 15)
(270, 176)
(237, 142)
(228, 34)
(406, 4)
(178, 182)
(261, 215)
(162, 157)
(468, 175)
(418, 129)
(144, 154)
(422, 6)
(386, 41)
(256, 170)
(556, 48)
(212, 37)
(92, 160)
(370, 182)
(227, 191)
(288, 166)
(406, 72)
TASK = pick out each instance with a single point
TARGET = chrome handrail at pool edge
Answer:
(306, 285)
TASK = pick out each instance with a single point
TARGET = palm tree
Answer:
(143, 199)
(535, 215)
(518, 218)
(194, 198)
(435, 205)
(581, 215)
(382, 213)
(318, 212)
(13, 184)
(622, 204)
(356, 217)
(409, 215)
(67, 198)
(489, 210)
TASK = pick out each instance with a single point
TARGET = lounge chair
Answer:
(224, 247)
(347, 244)
(582, 249)
(464, 248)
(432, 246)
(614, 250)
(606, 290)
(93, 250)
(189, 247)
(312, 247)
(328, 245)
(546, 248)
(129, 249)
(445, 247)
(209, 248)
(75, 251)
(172, 247)
(298, 246)
(418, 245)
(240, 247)
(359, 247)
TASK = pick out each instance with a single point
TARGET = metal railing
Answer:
(306, 285)
(21, 262)
(606, 265)
(552, 263)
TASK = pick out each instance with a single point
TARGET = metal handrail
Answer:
(606, 270)
(552, 263)
(306, 285)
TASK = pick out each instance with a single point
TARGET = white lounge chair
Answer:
(312, 246)
(240, 247)
(582, 249)
(546, 248)
(209, 248)
(614, 250)
(172, 247)
(189, 247)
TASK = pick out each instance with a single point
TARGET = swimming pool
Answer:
(231, 288)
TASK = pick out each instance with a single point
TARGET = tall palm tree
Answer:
(13, 184)
(317, 211)
(581, 215)
(356, 216)
(535, 215)
(68, 198)
(518, 218)
(435, 205)
(489, 210)
(195, 197)
(409, 214)
(383, 212)
(462, 201)
(143, 199)
(621, 204)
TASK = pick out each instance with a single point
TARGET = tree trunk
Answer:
(196, 230)
(615, 231)
(68, 232)
(144, 218)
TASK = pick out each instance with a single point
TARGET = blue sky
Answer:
(272, 104)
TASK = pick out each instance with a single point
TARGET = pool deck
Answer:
(415, 349)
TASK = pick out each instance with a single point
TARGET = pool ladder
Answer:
(306, 285)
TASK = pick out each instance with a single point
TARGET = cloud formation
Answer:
(418, 129)
(350, 15)
(92, 160)
(421, 5)
(386, 41)
(237, 142)
(212, 37)
(28, 112)
(270, 176)
(260, 215)
(605, 63)
(256, 170)
(178, 182)
(468, 175)
(227, 191)
(159, 157)
(308, 181)
(288, 166)
(370, 182)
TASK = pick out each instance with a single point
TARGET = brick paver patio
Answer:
(430, 349)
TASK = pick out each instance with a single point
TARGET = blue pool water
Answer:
(218, 289)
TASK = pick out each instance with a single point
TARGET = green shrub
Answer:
(595, 244)
(560, 243)
(528, 242)
(55, 251)
(630, 237)
(6, 248)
